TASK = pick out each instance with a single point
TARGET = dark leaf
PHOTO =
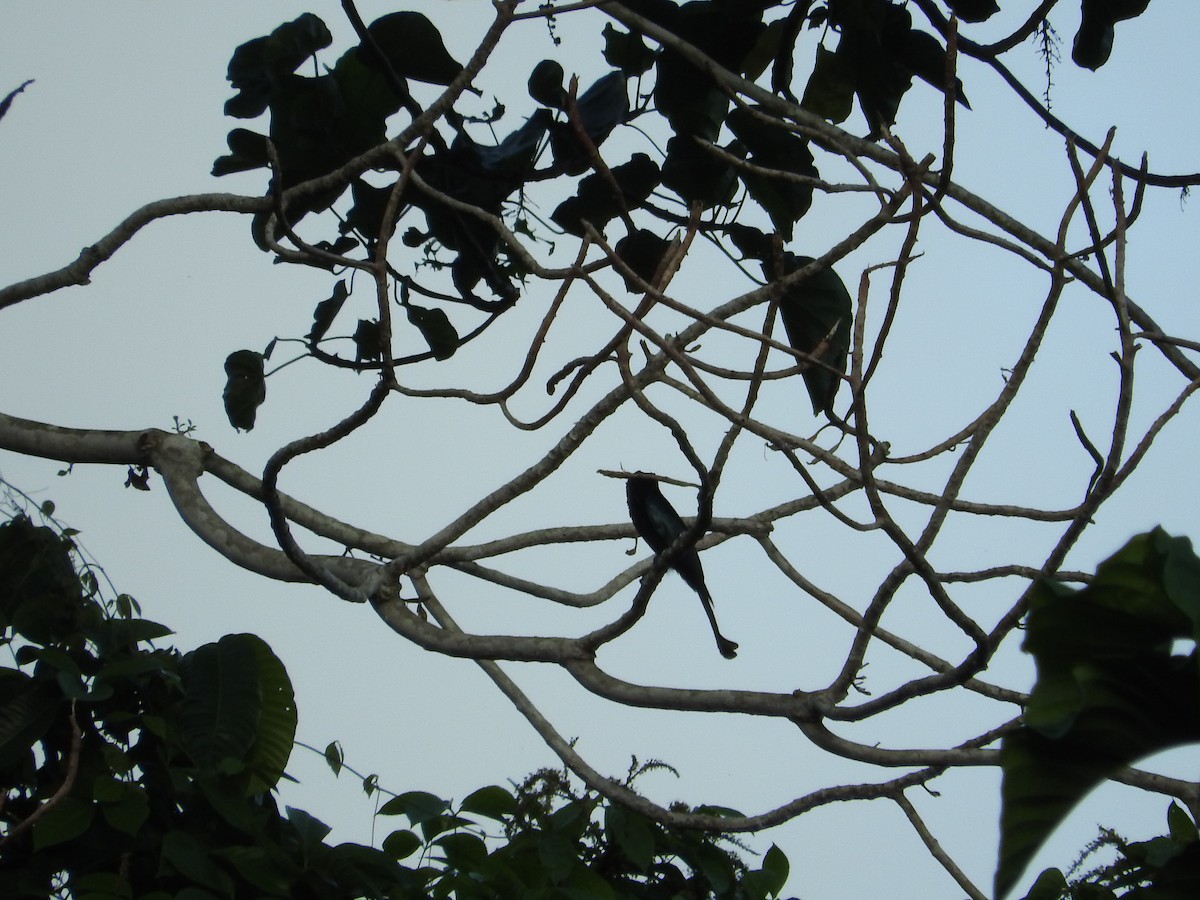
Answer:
(401, 844)
(413, 45)
(1094, 41)
(697, 174)
(817, 315)
(66, 820)
(924, 55)
(27, 711)
(601, 108)
(494, 802)
(334, 757)
(223, 701)
(974, 10)
(435, 326)
(596, 201)
(830, 89)
(277, 719)
(643, 251)
(418, 806)
(245, 388)
(1108, 692)
(327, 311)
(771, 147)
(8, 99)
(546, 84)
(368, 341)
(627, 52)
(257, 64)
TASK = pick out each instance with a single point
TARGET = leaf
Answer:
(401, 844)
(414, 47)
(817, 315)
(546, 84)
(435, 326)
(277, 720)
(368, 341)
(6, 103)
(28, 709)
(601, 108)
(191, 859)
(772, 147)
(643, 251)
(327, 311)
(697, 174)
(776, 867)
(973, 10)
(245, 388)
(627, 52)
(633, 833)
(1094, 40)
(925, 57)
(258, 64)
(419, 806)
(597, 203)
(222, 701)
(66, 820)
(493, 801)
(335, 757)
(463, 852)
(1108, 691)
(829, 92)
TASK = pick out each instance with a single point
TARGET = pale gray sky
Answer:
(127, 108)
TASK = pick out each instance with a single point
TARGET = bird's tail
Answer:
(727, 647)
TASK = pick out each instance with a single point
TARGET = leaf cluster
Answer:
(128, 770)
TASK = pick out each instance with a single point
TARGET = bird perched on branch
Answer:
(659, 525)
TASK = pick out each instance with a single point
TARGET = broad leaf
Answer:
(1108, 692)
(817, 314)
(245, 388)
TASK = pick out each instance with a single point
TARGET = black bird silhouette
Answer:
(659, 525)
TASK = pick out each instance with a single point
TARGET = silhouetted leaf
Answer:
(924, 55)
(222, 703)
(771, 147)
(327, 311)
(493, 801)
(1094, 41)
(546, 84)
(698, 175)
(974, 10)
(643, 252)
(597, 203)
(245, 388)
(1108, 692)
(258, 64)
(436, 328)
(414, 47)
(829, 92)
(368, 341)
(602, 107)
(248, 150)
(817, 315)
(11, 95)
(627, 52)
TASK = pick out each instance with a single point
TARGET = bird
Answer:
(659, 525)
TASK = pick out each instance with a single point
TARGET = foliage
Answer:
(1110, 690)
(129, 770)
(1162, 868)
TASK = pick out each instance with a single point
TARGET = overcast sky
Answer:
(126, 107)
